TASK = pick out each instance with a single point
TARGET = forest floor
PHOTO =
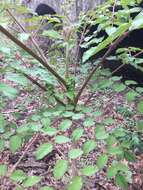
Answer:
(44, 167)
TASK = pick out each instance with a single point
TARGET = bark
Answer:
(76, 8)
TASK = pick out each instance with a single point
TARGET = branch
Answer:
(35, 82)
(33, 54)
(42, 87)
(113, 72)
(30, 37)
(78, 49)
(113, 11)
(29, 144)
(111, 48)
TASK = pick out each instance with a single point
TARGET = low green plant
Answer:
(64, 121)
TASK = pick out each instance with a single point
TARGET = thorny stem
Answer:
(111, 48)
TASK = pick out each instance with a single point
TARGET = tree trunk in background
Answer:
(74, 6)
(90, 4)
(85, 5)
(56, 4)
(77, 7)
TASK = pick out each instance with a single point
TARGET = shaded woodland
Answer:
(71, 86)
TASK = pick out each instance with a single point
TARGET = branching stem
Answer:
(33, 54)
(111, 48)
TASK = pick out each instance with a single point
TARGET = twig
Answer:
(34, 138)
(32, 40)
(30, 37)
(18, 185)
(43, 88)
(62, 153)
(91, 95)
(33, 54)
(34, 82)
(78, 49)
(113, 72)
(117, 69)
(38, 29)
(113, 11)
(137, 54)
(111, 48)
